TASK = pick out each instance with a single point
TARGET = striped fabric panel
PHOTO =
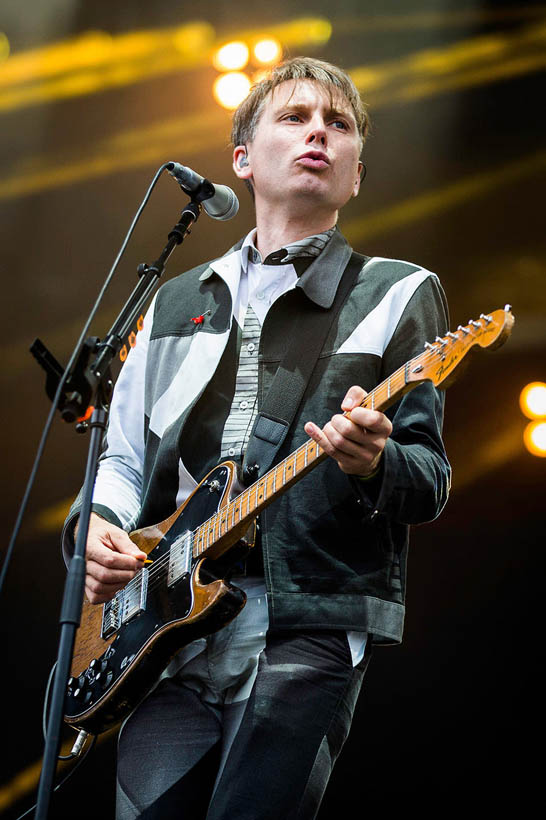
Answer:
(244, 406)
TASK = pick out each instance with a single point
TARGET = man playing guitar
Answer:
(248, 722)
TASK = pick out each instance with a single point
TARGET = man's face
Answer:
(305, 150)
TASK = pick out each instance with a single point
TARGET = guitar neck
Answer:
(240, 512)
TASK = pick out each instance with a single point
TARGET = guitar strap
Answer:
(292, 377)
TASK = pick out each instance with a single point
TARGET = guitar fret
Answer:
(195, 545)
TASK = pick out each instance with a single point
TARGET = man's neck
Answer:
(276, 229)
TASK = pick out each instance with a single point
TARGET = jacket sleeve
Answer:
(117, 492)
(414, 480)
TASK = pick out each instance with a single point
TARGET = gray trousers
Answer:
(248, 726)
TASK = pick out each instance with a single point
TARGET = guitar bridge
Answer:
(111, 620)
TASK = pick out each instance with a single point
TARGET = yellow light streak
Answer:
(501, 448)
(96, 61)
(139, 147)
(471, 78)
(532, 400)
(99, 49)
(534, 437)
(4, 47)
(431, 203)
(433, 71)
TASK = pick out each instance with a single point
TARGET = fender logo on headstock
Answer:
(445, 366)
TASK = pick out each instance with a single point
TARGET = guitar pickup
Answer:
(128, 603)
(180, 557)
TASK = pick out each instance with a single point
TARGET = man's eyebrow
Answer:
(302, 106)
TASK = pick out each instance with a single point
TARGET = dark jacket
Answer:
(334, 547)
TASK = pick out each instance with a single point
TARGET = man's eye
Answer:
(340, 124)
(293, 118)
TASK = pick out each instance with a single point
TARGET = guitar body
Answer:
(121, 648)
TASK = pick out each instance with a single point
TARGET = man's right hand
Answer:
(112, 560)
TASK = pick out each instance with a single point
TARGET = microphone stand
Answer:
(91, 384)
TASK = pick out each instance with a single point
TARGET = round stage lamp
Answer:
(230, 89)
(231, 57)
(267, 51)
(534, 438)
(532, 400)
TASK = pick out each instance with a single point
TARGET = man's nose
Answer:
(317, 133)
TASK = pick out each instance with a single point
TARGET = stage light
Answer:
(532, 400)
(230, 89)
(267, 51)
(231, 57)
(534, 437)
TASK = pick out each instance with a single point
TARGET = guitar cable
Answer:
(70, 773)
(82, 734)
(77, 748)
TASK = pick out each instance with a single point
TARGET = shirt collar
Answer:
(319, 281)
(310, 247)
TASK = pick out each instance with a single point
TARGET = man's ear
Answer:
(361, 174)
(241, 162)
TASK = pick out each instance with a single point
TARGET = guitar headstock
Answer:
(442, 356)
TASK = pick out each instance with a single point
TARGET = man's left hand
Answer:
(357, 440)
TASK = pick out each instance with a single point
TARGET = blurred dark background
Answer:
(93, 98)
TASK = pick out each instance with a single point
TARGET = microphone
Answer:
(222, 203)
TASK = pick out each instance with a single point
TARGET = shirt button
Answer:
(231, 451)
(243, 405)
(260, 295)
(250, 347)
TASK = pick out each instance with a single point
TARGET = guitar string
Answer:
(212, 522)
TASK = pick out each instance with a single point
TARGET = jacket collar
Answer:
(319, 281)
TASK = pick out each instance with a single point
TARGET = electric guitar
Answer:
(122, 646)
